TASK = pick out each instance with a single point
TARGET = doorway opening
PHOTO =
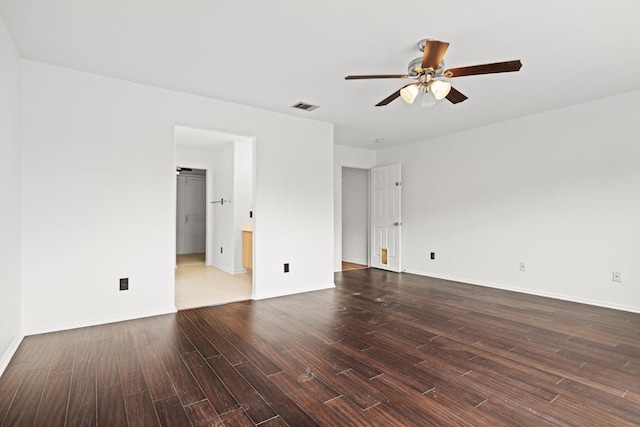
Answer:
(355, 218)
(214, 204)
(191, 211)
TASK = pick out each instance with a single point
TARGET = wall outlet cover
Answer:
(124, 284)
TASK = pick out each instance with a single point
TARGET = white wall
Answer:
(355, 215)
(10, 222)
(559, 191)
(242, 196)
(86, 137)
(349, 157)
(223, 213)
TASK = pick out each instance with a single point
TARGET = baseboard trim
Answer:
(100, 321)
(529, 292)
(8, 355)
(226, 270)
(293, 292)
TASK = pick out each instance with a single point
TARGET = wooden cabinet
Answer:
(247, 250)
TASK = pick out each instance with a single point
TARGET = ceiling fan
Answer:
(429, 69)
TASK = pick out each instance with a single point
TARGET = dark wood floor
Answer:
(381, 349)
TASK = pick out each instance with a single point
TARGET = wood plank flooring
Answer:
(347, 266)
(382, 349)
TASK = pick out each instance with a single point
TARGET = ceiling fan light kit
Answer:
(409, 93)
(440, 89)
(427, 98)
(431, 65)
(428, 89)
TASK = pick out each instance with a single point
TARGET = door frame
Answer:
(217, 137)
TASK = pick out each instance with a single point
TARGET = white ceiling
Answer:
(274, 53)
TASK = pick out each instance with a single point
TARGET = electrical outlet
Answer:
(220, 249)
(124, 284)
(617, 276)
(286, 267)
(522, 266)
(433, 255)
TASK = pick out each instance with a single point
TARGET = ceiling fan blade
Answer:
(391, 97)
(455, 96)
(378, 76)
(434, 51)
(496, 67)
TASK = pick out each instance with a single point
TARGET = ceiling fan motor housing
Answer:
(417, 64)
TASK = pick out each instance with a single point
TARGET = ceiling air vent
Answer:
(304, 106)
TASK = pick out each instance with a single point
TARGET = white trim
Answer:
(226, 270)
(293, 292)
(529, 292)
(94, 322)
(8, 355)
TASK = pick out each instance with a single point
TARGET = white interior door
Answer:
(191, 215)
(386, 222)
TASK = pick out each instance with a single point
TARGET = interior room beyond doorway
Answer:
(355, 218)
(213, 210)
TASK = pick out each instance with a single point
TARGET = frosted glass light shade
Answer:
(440, 89)
(427, 98)
(409, 93)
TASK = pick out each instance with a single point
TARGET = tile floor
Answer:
(198, 285)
